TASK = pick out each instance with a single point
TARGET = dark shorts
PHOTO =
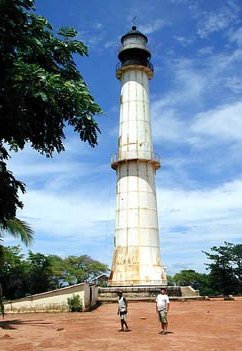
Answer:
(123, 315)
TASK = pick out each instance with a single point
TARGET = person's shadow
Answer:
(12, 324)
(167, 333)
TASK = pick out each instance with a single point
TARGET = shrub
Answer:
(74, 303)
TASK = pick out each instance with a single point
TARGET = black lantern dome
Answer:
(134, 51)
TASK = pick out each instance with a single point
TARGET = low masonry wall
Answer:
(188, 291)
(55, 300)
(147, 293)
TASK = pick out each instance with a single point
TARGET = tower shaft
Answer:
(134, 129)
(136, 259)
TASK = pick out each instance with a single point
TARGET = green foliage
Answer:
(170, 280)
(198, 281)
(36, 273)
(226, 268)
(225, 272)
(83, 268)
(41, 92)
(39, 273)
(18, 229)
(9, 188)
(75, 303)
(14, 273)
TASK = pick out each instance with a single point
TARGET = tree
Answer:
(226, 268)
(39, 273)
(34, 273)
(41, 92)
(22, 276)
(170, 280)
(198, 281)
(82, 269)
(57, 277)
(16, 228)
(14, 273)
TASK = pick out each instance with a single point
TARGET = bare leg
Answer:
(124, 325)
(164, 327)
(1, 301)
(2, 308)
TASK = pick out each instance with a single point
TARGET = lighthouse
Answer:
(136, 257)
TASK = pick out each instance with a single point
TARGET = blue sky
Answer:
(196, 111)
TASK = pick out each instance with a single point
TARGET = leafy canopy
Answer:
(35, 272)
(226, 268)
(224, 272)
(41, 92)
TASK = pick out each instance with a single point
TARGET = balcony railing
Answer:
(145, 156)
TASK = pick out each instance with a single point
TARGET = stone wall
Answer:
(55, 300)
(188, 291)
(147, 293)
(136, 293)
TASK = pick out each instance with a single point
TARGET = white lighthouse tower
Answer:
(136, 258)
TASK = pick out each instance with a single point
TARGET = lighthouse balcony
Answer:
(147, 64)
(134, 64)
(139, 156)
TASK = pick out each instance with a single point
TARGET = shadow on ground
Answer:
(12, 324)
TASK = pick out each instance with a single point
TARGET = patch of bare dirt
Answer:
(193, 325)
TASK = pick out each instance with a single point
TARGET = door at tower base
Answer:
(137, 266)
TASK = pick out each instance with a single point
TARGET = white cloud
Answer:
(76, 158)
(218, 20)
(153, 27)
(191, 82)
(222, 124)
(85, 211)
(192, 221)
(184, 207)
(68, 196)
(166, 126)
(214, 78)
(206, 51)
(189, 79)
(234, 83)
(92, 37)
(111, 44)
(184, 41)
(196, 117)
(85, 215)
(218, 126)
(236, 36)
(98, 25)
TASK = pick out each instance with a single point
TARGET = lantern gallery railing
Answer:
(141, 156)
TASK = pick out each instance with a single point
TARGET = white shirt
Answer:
(162, 301)
(122, 305)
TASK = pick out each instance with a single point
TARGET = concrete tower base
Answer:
(146, 293)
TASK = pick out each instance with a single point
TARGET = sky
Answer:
(196, 114)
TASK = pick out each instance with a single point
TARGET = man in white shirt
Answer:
(162, 308)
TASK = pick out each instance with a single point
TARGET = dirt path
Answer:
(200, 325)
